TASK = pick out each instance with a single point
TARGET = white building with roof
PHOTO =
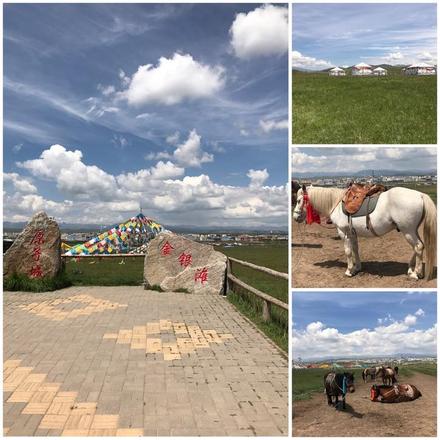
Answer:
(361, 69)
(380, 71)
(336, 71)
(420, 69)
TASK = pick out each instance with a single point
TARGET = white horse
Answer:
(398, 208)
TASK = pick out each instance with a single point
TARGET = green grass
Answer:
(306, 382)
(273, 329)
(22, 283)
(390, 110)
(105, 271)
(271, 255)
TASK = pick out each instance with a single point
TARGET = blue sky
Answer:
(363, 323)
(175, 107)
(326, 35)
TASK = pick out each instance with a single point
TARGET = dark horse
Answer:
(338, 384)
(295, 187)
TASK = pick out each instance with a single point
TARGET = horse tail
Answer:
(429, 234)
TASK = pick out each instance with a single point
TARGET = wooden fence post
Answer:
(266, 311)
(228, 272)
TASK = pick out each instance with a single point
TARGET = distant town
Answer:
(363, 362)
(343, 182)
(227, 240)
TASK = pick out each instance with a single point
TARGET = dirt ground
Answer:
(363, 418)
(318, 260)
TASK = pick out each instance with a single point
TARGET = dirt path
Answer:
(318, 260)
(362, 417)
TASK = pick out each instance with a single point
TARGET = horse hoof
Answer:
(348, 273)
(413, 275)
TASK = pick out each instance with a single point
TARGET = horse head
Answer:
(349, 382)
(299, 212)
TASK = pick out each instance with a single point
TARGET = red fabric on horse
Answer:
(311, 215)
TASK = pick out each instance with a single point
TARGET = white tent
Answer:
(380, 71)
(336, 71)
(361, 69)
(420, 69)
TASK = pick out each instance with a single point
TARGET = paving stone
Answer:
(129, 362)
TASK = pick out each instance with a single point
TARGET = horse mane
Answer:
(324, 199)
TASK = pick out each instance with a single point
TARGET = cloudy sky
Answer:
(331, 324)
(326, 35)
(180, 108)
(353, 159)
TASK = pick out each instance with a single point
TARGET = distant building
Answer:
(336, 71)
(420, 69)
(380, 71)
(362, 69)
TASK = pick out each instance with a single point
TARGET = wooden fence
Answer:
(232, 281)
(267, 300)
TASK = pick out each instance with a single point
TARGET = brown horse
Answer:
(403, 392)
(372, 372)
(388, 375)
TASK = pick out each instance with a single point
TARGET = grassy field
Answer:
(347, 110)
(105, 272)
(274, 256)
(309, 381)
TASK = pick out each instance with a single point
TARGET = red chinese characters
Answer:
(185, 259)
(166, 249)
(201, 275)
(37, 241)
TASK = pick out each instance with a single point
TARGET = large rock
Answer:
(36, 252)
(174, 262)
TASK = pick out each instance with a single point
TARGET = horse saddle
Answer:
(361, 200)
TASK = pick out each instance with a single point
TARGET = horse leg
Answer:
(355, 246)
(415, 268)
(336, 401)
(343, 402)
(348, 248)
(329, 399)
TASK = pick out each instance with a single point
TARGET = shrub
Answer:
(20, 282)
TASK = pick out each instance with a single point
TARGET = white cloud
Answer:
(70, 173)
(244, 132)
(20, 184)
(300, 61)
(173, 139)
(174, 80)
(393, 57)
(17, 148)
(420, 312)
(190, 154)
(106, 90)
(119, 141)
(269, 125)
(261, 32)
(384, 340)
(166, 170)
(125, 80)
(258, 177)
(410, 320)
(164, 192)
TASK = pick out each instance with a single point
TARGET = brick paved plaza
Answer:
(125, 361)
